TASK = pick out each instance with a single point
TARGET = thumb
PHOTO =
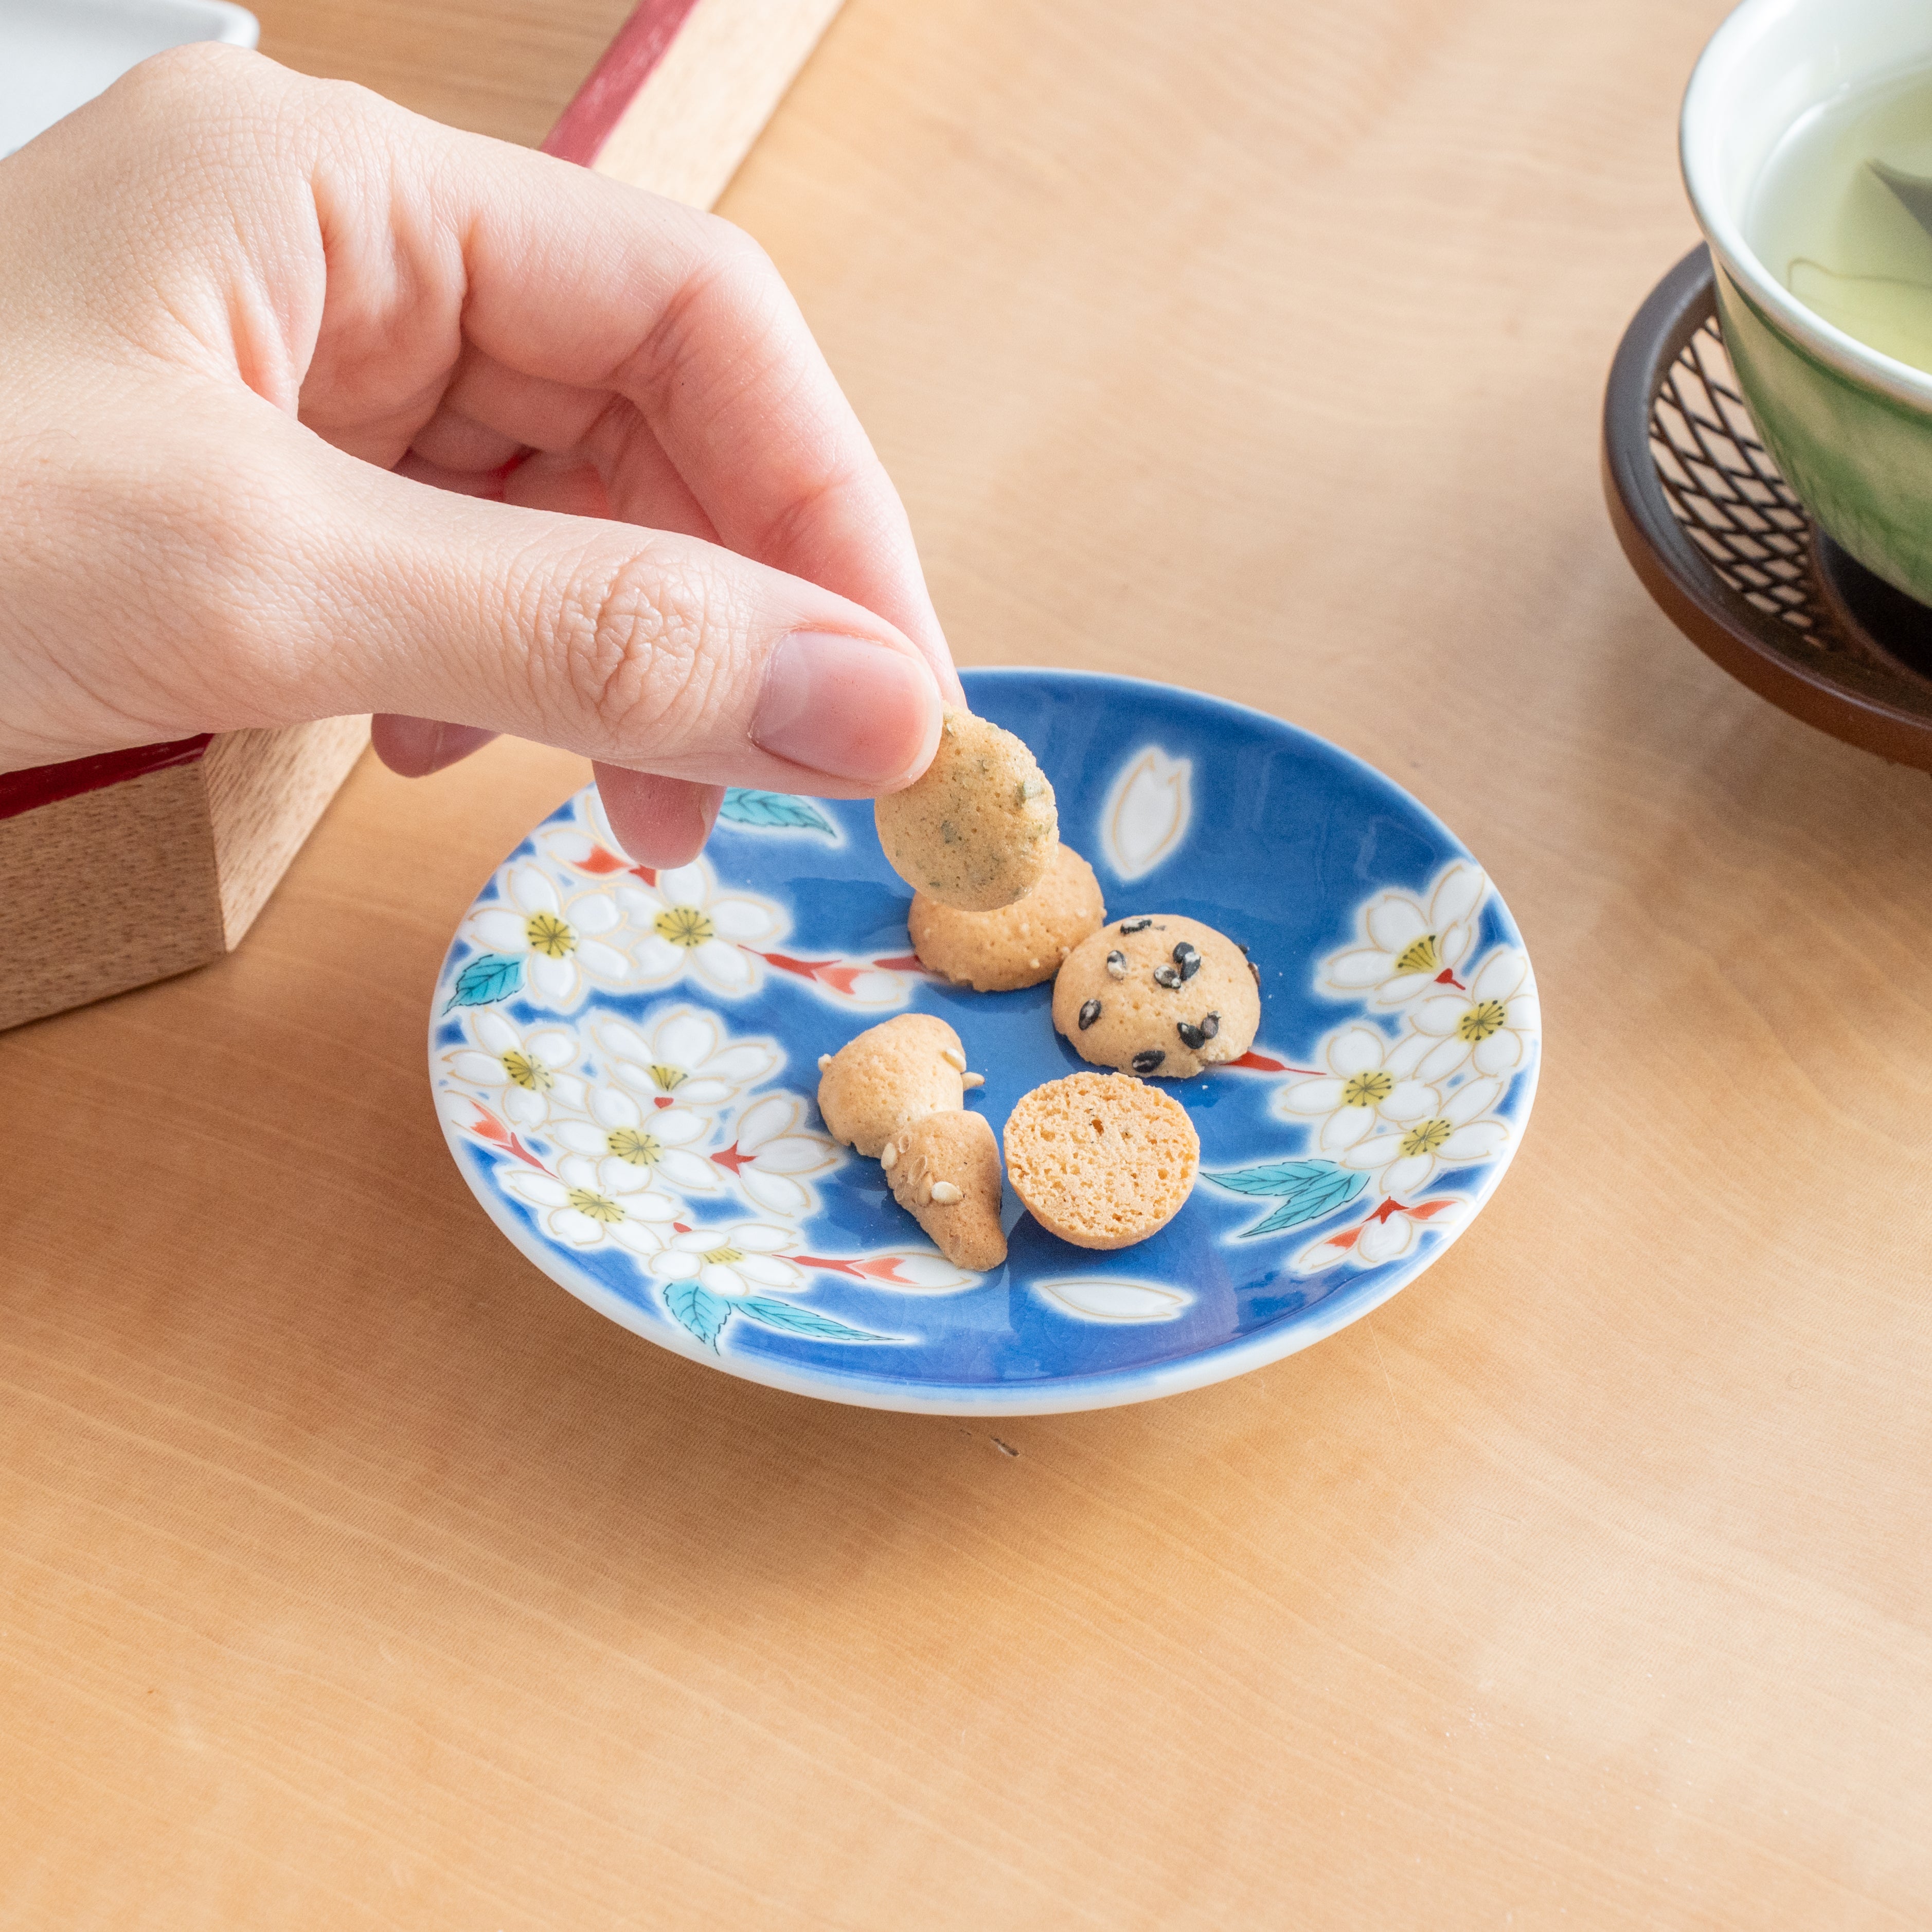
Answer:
(647, 650)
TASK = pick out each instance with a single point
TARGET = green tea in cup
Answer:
(1842, 213)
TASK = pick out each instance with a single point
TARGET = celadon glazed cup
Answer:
(1850, 427)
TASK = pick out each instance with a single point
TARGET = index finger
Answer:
(579, 296)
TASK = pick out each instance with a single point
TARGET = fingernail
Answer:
(844, 706)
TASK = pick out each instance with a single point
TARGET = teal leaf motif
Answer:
(1307, 1190)
(797, 1321)
(773, 812)
(698, 1309)
(489, 977)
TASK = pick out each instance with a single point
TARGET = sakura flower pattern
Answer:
(1411, 944)
(1458, 1134)
(1370, 1084)
(774, 1149)
(733, 1262)
(684, 1057)
(1388, 1234)
(682, 922)
(577, 1205)
(524, 1071)
(1494, 1025)
(558, 946)
(626, 1140)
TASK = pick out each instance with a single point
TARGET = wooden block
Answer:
(118, 870)
(685, 89)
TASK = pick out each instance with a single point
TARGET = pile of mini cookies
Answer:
(1101, 1160)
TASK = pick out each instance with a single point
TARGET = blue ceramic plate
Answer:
(625, 1062)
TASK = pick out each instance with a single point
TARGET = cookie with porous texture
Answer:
(944, 1170)
(890, 1074)
(1019, 945)
(977, 830)
(1101, 1159)
(1158, 995)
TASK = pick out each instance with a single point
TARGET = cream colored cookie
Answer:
(944, 1170)
(897, 1071)
(1020, 945)
(977, 830)
(1101, 1159)
(1158, 995)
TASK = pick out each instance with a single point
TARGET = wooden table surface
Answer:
(352, 1575)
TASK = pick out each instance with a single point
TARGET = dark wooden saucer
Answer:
(1729, 552)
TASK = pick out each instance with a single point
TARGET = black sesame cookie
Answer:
(1020, 945)
(978, 830)
(1158, 995)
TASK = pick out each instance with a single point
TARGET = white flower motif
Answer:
(623, 1138)
(577, 1206)
(1372, 1085)
(1387, 1235)
(1495, 1024)
(1094, 1298)
(525, 1071)
(1407, 1159)
(558, 945)
(684, 920)
(774, 1150)
(684, 1057)
(1411, 946)
(731, 1261)
(1146, 814)
(585, 842)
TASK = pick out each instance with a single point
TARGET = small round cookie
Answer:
(944, 1170)
(1020, 945)
(888, 1075)
(978, 830)
(1101, 1159)
(1158, 995)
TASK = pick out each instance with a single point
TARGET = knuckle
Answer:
(643, 647)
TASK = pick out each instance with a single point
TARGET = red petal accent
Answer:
(664, 1100)
(806, 969)
(1446, 978)
(1425, 1210)
(1390, 1206)
(678, 1228)
(603, 859)
(731, 1159)
(1347, 1238)
(524, 1154)
(827, 1263)
(905, 962)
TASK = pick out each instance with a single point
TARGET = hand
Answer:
(309, 406)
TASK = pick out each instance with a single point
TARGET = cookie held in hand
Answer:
(1101, 1159)
(1018, 945)
(1158, 995)
(978, 830)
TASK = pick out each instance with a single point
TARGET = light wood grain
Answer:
(351, 1575)
(692, 122)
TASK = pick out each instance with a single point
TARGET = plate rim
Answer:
(1111, 1388)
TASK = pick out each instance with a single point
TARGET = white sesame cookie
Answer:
(944, 1170)
(1158, 995)
(890, 1074)
(1019, 945)
(1101, 1159)
(977, 830)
